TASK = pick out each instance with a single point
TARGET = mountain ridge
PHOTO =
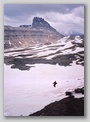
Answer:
(40, 32)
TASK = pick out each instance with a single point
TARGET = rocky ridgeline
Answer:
(40, 32)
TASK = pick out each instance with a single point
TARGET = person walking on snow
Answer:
(54, 83)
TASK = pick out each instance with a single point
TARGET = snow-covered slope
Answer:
(29, 74)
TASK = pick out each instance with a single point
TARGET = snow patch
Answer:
(33, 89)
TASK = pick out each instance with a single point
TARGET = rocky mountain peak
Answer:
(40, 32)
(39, 22)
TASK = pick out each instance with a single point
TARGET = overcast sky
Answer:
(65, 18)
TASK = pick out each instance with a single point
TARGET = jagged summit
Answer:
(39, 22)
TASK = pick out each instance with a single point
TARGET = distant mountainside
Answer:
(66, 51)
(40, 32)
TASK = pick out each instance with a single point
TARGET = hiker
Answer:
(54, 83)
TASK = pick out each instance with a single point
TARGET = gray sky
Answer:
(65, 18)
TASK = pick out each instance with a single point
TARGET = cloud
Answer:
(16, 21)
(22, 9)
(66, 21)
(79, 11)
